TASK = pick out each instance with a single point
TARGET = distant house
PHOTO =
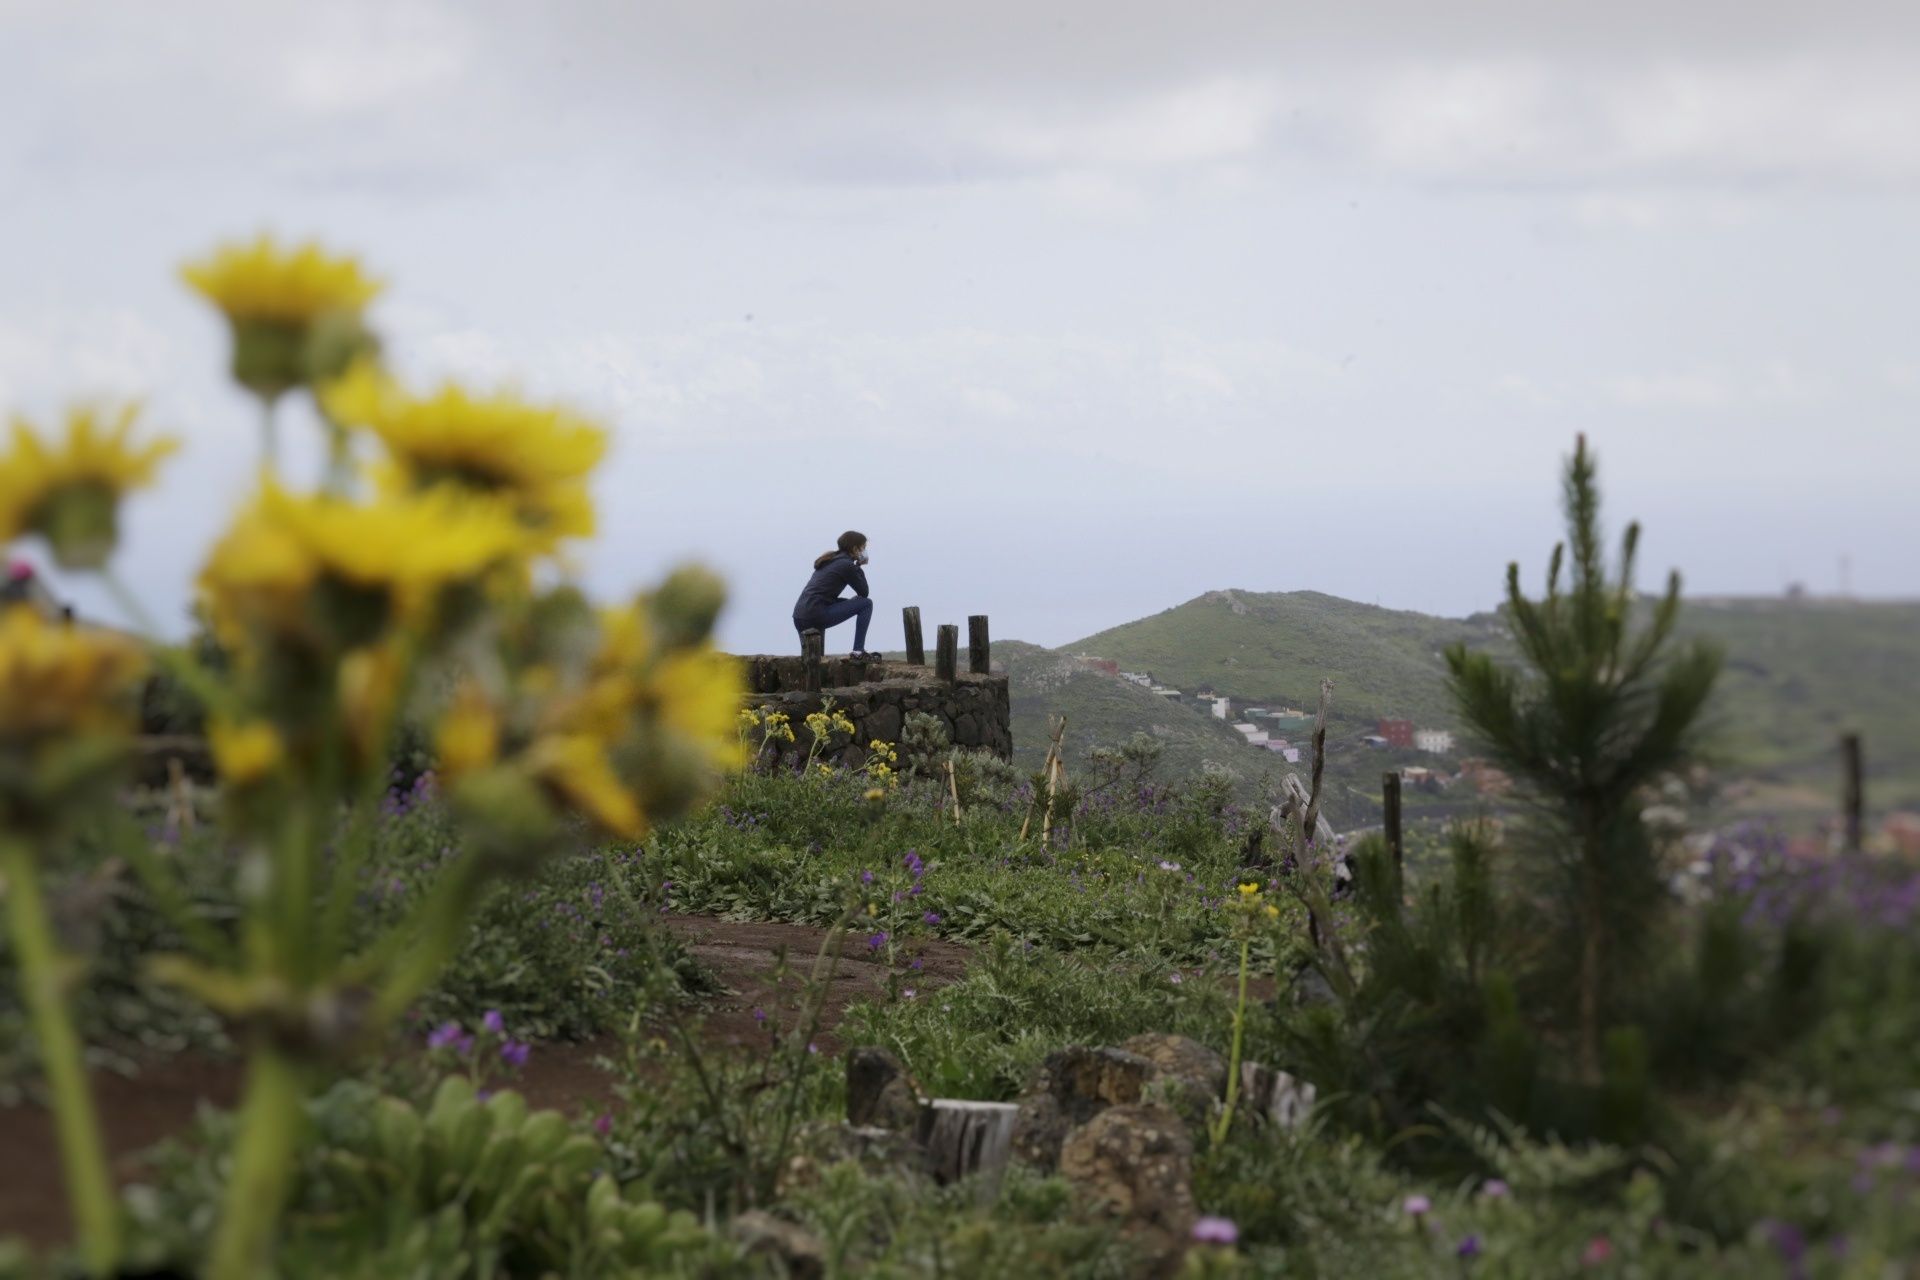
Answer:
(1433, 741)
(1140, 678)
(1398, 733)
(1375, 741)
(1222, 708)
(1254, 735)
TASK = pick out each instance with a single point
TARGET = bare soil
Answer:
(162, 1098)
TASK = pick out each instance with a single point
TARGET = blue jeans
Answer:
(836, 612)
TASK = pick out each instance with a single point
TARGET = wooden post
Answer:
(916, 647)
(947, 658)
(813, 647)
(1853, 800)
(953, 786)
(979, 659)
(1053, 752)
(1390, 802)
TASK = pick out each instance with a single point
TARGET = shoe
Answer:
(861, 655)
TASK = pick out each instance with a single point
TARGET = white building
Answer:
(1434, 741)
(1222, 707)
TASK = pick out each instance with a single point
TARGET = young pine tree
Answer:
(1601, 704)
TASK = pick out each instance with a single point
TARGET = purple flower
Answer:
(1788, 1239)
(1215, 1231)
(603, 1124)
(514, 1053)
(909, 993)
(932, 917)
(877, 941)
(1174, 979)
(812, 1047)
(866, 877)
(1495, 1189)
(450, 1035)
(759, 1015)
(1468, 1248)
(494, 1023)
(1417, 1205)
(1169, 866)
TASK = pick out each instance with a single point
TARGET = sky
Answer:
(1078, 308)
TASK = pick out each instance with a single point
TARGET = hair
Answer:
(850, 541)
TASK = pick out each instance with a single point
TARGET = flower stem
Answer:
(269, 1124)
(1233, 1059)
(269, 437)
(83, 1155)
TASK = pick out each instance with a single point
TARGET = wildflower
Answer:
(1468, 1248)
(1417, 1205)
(244, 753)
(908, 993)
(60, 683)
(536, 458)
(294, 314)
(1169, 866)
(603, 1124)
(515, 1052)
(812, 1047)
(575, 767)
(495, 1025)
(759, 1015)
(1495, 1189)
(68, 491)
(1598, 1250)
(876, 941)
(866, 877)
(1174, 979)
(931, 917)
(467, 738)
(450, 1035)
(1273, 912)
(1210, 1230)
(322, 567)
(874, 794)
(1249, 889)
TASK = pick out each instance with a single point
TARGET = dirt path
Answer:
(160, 1101)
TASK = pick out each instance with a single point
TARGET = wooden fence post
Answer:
(916, 647)
(1390, 803)
(1853, 800)
(813, 647)
(979, 657)
(947, 656)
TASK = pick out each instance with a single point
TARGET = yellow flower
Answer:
(876, 793)
(468, 738)
(58, 679)
(695, 692)
(534, 457)
(245, 752)
(1249, 889)
(262, 281)
(369, 688)
(69, 491)
(575, 767)
(296, 564)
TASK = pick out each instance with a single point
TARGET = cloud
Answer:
(1712, 390)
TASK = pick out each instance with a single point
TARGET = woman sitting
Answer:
(820, 605)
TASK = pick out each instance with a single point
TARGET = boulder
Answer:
(1188, 1076)
(1071, 1087)
(1133, 1165)
(880, 1093)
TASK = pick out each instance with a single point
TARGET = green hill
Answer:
(1798, 673)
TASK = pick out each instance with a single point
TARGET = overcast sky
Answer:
(1077, 307)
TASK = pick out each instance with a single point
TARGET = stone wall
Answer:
(878, 696)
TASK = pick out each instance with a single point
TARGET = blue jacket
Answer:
(827, 582)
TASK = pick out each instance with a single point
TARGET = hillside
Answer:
(1798, 673)
(1276, 647)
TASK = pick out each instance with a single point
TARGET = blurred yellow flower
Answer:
(1249, 889)
(534, 457)
(291, 559)
(468, 738)
(60, 679)
(369, 690)
(1273, 912)
(245, 753)
(262, 281)
(695, 692)
(575, 767)
(68, 490)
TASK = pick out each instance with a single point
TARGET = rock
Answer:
(1071, 1087)
(761, 1234)
(966, 729)
(880, 1093)
(883, 724)
(1189, 1077)
(1134, 1165)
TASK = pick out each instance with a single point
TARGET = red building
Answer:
(1398, 733)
